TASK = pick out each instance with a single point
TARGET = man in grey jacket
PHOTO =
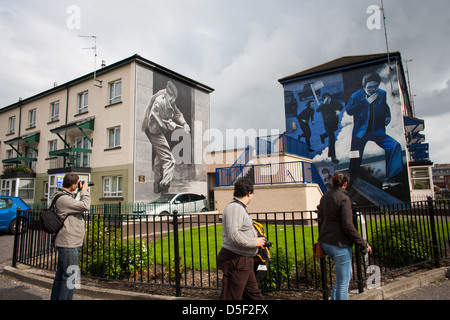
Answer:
(70, 238)
(240, 245)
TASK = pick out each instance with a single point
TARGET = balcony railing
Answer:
(281, 144)
(274, 173)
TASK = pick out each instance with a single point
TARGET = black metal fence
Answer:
(179, 250)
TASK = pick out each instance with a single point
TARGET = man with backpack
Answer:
(70, 238)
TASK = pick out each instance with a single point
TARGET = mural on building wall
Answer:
(352, 122)
(167, 125)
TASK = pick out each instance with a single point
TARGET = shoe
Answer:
(165, 188)
(334, 160)
(390, 184)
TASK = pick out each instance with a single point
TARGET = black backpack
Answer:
(50, 221)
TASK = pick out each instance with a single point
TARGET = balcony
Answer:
(281, 144)
(75, 158)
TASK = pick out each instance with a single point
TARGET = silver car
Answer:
(183, 202)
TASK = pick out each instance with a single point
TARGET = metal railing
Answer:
(275, 173)
(179, 250)
(281, 144)
(228, 175)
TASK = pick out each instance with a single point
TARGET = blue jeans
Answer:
(66, 275)
(342, 258)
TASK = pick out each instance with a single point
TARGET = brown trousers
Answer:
(239, 281)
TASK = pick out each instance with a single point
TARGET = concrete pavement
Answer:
(428, 285)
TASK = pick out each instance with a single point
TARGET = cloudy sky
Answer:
(240, 48)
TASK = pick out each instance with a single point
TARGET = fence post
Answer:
(323, 266)
(359, 275)
(433, 232)
(177, 254)
(16, 240)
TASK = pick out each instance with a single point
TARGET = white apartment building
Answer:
(92, 126)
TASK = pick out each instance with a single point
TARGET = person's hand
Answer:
(85, 186)
(186, 127)
(369, 249)
(260, 242)
(171, 125)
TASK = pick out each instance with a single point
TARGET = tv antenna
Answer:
(387, 47)
(97, 83)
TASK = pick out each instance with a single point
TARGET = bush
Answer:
(109, 256)
(401, 243)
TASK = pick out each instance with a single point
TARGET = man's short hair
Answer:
(369, 77)
(70, 179)
(242, 187)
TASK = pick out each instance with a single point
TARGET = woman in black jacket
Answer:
(338, 233)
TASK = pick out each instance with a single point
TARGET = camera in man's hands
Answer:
(80, 184)
(267, 244)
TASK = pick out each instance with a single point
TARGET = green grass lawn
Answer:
(199, 247)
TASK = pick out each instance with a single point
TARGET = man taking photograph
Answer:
(70, 238)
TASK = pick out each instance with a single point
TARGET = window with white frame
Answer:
(83, 102)
(54, 111)
(115, 91)
(420, 178)
(32, 118)
(52, 146)
(9, 154)
(112, 186)
(114, 137)
(12, 124)
(82, 158)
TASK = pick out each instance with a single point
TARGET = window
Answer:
(115, 92)
(46, 189)
(420, 179)
(112, 186)
(52, 146)
(12, 124)
(6, 203)
(54, 111)
(83, 102)
(32, 118)
(7, 188)
(9, 154)
(82, 158)
(114, 137)
(26, 189)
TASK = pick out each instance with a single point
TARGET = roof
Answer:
(135, 58)
(346, 62)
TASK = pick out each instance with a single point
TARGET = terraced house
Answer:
(93, 126)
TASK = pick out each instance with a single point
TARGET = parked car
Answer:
(8, 212)
(183, 202)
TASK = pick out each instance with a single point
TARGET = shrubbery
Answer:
(110, 256)
(401, 243)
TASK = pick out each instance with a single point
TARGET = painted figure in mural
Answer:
(162, 116)
(303, 118)
(371, 115)
(330, 110)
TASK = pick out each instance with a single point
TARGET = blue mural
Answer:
(352, 121)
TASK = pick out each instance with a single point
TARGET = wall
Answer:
(365, 155)
(189, 173)
(274, 198)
